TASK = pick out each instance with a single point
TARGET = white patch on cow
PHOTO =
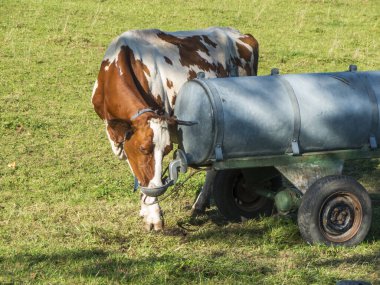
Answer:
(106, 68)
(117, 149)
(94, 89)
(161, 139)
(152, 211)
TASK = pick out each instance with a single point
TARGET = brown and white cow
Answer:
(142, 71)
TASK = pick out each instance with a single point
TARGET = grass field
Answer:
(67, 212)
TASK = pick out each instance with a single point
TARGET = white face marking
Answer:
(94, 89)
(161, 139)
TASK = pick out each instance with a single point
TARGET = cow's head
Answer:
(119, 95)
(144, 142)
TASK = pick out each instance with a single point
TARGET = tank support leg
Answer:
(203, 199)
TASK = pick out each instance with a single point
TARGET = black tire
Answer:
(235, 202)
(335, 210)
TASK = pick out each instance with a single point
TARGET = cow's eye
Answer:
(128, 134)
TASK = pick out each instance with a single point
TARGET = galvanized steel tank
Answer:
(277, 114)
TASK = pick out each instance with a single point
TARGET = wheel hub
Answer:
(246, 199)
(340, 217)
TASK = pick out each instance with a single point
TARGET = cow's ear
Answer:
(119, 130)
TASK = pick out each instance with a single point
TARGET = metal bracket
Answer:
(218, 153)
(187, 123)
(297, 116)
(178, 164)
(352, 68)
(372, 142)
(274, 71)
(201, 75)
(217, 107)
(295, 147)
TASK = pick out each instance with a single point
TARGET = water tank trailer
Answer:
(282, 140)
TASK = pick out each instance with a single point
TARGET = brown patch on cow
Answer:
(189, 48)
(169, 83)
(209, 42)
(168, 60)
(250, 40)
(135, 72)
(254, 44)
(159, 100)
(121, 96)
(139, 150)
(236, 61)
(250, 55)
(188, 51)
(133, 69)
(221, 71)
(192, 74)
(98, 97)
(174, 98)
(244, 52)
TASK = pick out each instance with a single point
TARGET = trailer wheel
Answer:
(335, 210)
(235, 202)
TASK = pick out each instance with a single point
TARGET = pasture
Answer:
(67, 210)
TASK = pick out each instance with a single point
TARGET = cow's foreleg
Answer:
(151, 212)
(203, 199)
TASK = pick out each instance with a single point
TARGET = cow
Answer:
(136, 89)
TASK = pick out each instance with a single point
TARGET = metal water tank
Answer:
(277, 115)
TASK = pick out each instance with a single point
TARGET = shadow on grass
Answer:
(374, 233)
(115, 267)
(287, 225)
(171, 268)
(366, 170)
(211, 226)
(357, 259)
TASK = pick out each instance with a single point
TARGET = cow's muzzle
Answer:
(179, 163)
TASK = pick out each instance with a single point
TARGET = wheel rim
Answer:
(246, 199)
(340, 217)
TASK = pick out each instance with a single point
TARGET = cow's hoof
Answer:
(157, 226)
(148, 226)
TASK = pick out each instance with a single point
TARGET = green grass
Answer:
(67, 213)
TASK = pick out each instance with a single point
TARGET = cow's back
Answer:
(162, 61)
